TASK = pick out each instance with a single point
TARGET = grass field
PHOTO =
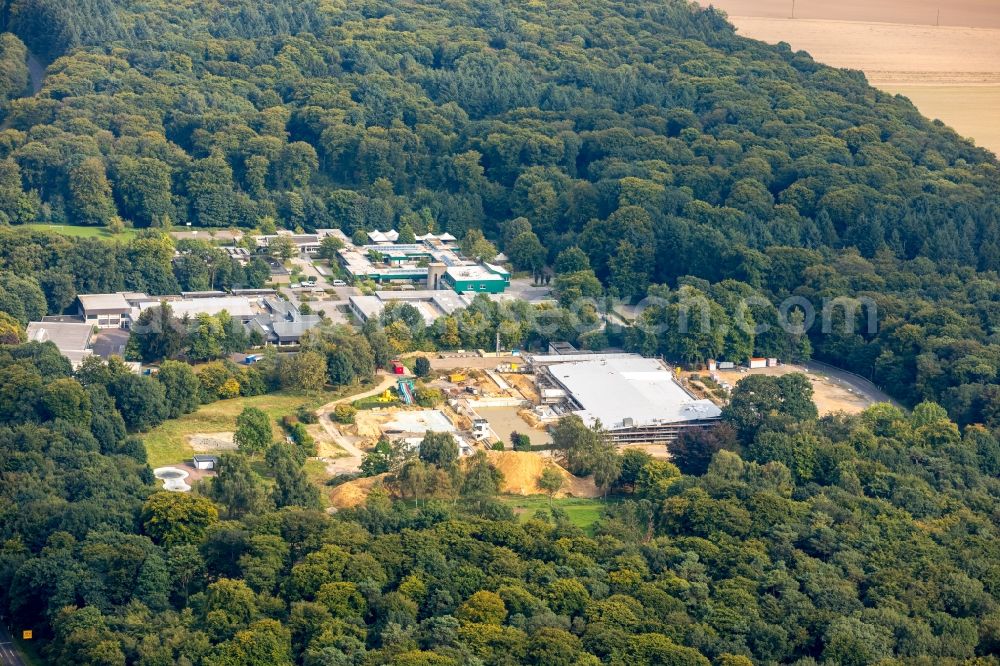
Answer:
(582, 512)
(168, 443)
(82, 232)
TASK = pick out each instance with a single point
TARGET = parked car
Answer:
(339, 283)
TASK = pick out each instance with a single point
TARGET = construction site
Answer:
(635, 400)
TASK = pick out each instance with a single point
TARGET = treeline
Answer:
(778, 537)
(42, 272)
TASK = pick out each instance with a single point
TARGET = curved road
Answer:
(350, 463)
(856, 383)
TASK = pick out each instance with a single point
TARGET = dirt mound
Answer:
(353, 493)
(521, 470)
(206, 442)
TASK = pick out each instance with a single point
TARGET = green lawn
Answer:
(83, 232)
(582, 512)
(168, 444)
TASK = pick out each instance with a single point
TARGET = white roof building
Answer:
(634, 398)
(381, 237)
(238, 307)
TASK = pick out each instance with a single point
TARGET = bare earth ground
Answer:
(832, 391)
(951, 72)
(211, 442)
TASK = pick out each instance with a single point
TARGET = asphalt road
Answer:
(9, 654)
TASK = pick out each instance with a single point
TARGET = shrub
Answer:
(428, 397)
(306, 415)
(422, 366)
(343, 413)
(520, 442)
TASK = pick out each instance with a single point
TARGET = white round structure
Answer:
(173, 479)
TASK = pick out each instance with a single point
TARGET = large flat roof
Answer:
(71, 338)
(472, 272)
(370, 306)
(620, 387)
(95, 303)
(236, 306)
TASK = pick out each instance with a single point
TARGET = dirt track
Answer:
(350, 463)
(834, 390)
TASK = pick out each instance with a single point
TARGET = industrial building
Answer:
(432, 260)
(635, 399)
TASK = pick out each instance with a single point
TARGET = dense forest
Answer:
(776, 538)
(375, 114)
(624, 149)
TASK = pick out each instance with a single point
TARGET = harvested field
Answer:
(522, 469)
(950, 72)
(972, 13)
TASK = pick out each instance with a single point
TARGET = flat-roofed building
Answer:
(366, 308)
(477, 278)
(104, 310)
(238, 307)
(636, 399)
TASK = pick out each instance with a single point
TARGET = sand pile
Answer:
(354, 493)
(521, 470)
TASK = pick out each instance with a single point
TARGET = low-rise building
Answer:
(366, 308)
(242, 308)
(429, 303)
(202, 461)
(477, 278)
(635, 399)
(73, 339)
(431, 259)
(104, 310)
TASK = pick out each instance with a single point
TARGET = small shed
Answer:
(205, 462)
(758, 363)
(772, 362)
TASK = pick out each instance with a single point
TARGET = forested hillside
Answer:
(846, 540)
(626, 149)
(374, 114)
